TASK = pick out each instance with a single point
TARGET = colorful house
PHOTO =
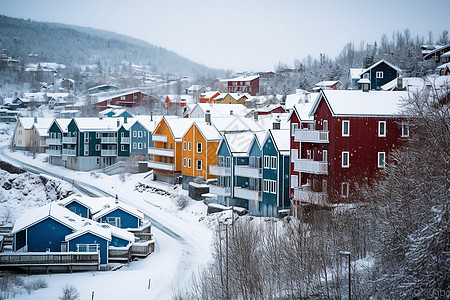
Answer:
(22, 133)
(208, 97)
(232, 98)
(39, 134)
(351, 136)
(56, 131)
(380, 73)
(200, 143)
(218, 110)
(243, 84)
(124, 98)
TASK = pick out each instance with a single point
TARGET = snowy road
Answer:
(182, 247)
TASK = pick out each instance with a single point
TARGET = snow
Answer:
(303, 109)
(131, 210)
(355, 73)
(416, 84)
(303, 97)
(179, 126)
(239, 142)
(282, 139)
(241, 78)
(218, 110)
(109, 95)
(209, 132)
(97, 124)
(326, 83)
(93, 229)
(379, 103)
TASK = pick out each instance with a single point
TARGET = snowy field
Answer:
(182, 246)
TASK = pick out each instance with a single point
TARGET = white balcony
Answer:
(109, 152)
(53, 152)
(69, 152)
(311, 166)
(311, 136)
(161, 166)
(307, 196)
(159, 138)
(246, 171)
(125, 140)
(69, 139)
(42, 143)
(247, 194)
(219, 171)
(109, 140)
(161, 152)
(220, 190)
(56, 142)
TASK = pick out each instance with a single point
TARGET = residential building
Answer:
(218, 110)
(327, 85)
(232, 98)
(124, 98)
(380, 73)
(208, 97)
(22, 133)
(39, 134)
(56, 131)
(243, 84)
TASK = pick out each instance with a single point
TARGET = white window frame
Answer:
(324, 155)
(266, 162)
(380, 124)
(122, 148)
(381, 159)
(294, 181)
(140, 134)
(294, 127)
(134, 133)
(114, 221)
(86, 150)
(273, 186)
(273, 162)
(266, 186)
(405, 128)
(346, 153)
(89, 247)
(325, 128)
(134, 145)
(122, 98)
(184, 145)
(199, 163)
(228, 162)
(348, 127)
(98, 136)
(185, 162)
(189, 162)
(201, 147)
(139, 145)
(379, 74)
(294, 154)
(345, 188)
(86, 137)
(221, 161)
(189, 146)
(97, 147)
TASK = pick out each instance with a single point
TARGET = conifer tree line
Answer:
(397, 231)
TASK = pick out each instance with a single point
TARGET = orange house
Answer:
(200, 143)
(208, 97)
(167, 149)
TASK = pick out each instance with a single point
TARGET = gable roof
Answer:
(98, 124)
(281, 139)
(177, 126)
(355, 73)
(122, 206)
(209, 132)
(373, 103)
(379, 62)
(90, 228)
(241, 78)
(220, 110)
(239, 143)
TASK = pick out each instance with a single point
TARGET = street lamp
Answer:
(346, 253)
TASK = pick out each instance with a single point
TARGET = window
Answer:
(185, 161)
(228, 164)
(122, 134)
(86, 137)
(266, 162)
(87, 247)
(171, 145)
(379, 74)
(98, 161)
(294, 181)
(220, 161)
(382, 128)
(199, 164)
(122, 148)
(345, 159)
(134, 133)
(97, 135)
(185, 145)
(122, 98)
(189, 146)
(266, 185)
(86, 150)
(189, 162)
(325, 125)
(114, 221)
(344, 189)
(294, 154)
(273, 186)
(135, 97)
(405, 130)
(294, 127)
(140, 134)
(273, 162)
(346, 128)
(381, 159)
(134, 145)
(199, 147)
(325, 155)
(139, 145)
(97, 147)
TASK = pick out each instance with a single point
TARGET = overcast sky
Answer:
(244, 35)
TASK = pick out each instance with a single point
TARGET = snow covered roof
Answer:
(109, 95)
(355, 73)
(235, 96)
(302, 110)
(328, 83)
(443, 66)
(180, 98)
(364, 80)
(63, 123)
(98, 124)
(208, 94)
(147, 122)
(90, 228)
(209, 132)
(379, 62)
(300, 96)
(268, 108)
(27, 123)
(218, 110)
(282, 140)
(373, 103)
(239, 143)
(178, 126)
(43, 125)
(241, 78)
(122, 206)
(417, 84)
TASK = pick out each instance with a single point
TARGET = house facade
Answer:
(380, 73)
(131, 98)
(244, 84)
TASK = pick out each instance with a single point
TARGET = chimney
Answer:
(117, 199)
(276, 124)
(400, 84)
(35, 120)
(151, 116)
(231, 112)
(118, 123)
(208, 117)
(255, 115)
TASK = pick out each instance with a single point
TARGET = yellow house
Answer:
(23, 131)
(167, 149)
(200, 143)
(232, 98)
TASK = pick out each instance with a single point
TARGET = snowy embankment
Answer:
(182, 239)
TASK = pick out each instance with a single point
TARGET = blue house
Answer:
(141, 136)
(380, 73)
(120, 215)
(275, 172)
(90, 239)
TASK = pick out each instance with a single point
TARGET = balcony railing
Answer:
(69, 152)
(53, 152)
(109, 140)
(248, 194)
(125, 140)
(220, 190)
(69, 139)
(159, 138)
(311, 166)
(246, 171)
(161, 152)
(56, 142)
(35, 259)
(109, 152)
(219, 171)
(308, 196)
(161, 166)
(311, 136)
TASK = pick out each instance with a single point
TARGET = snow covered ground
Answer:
(183, 238)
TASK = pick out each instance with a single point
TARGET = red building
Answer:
(347, 142)
(121, 98)
(208, 97)
(243, 84)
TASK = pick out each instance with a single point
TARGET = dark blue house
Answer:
(120, 215)
(90, 239)
(380, 73)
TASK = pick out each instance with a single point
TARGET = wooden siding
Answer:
(89, 238)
